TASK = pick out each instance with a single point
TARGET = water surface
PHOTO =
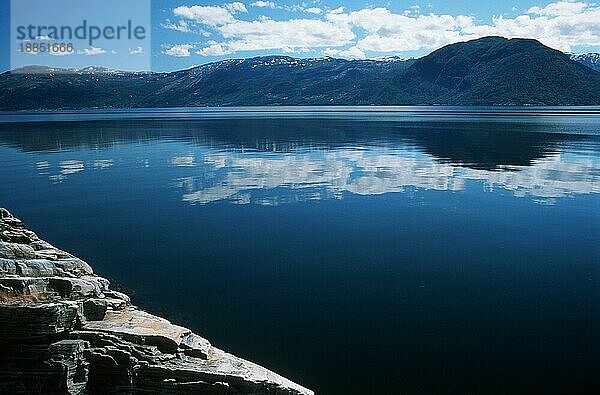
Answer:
(353, 252)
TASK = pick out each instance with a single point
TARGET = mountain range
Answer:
(486, 71)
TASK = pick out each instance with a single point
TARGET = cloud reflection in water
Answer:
(288, 177)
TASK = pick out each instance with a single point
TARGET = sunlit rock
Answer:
(62, 330)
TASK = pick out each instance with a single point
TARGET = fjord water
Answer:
(352, 253)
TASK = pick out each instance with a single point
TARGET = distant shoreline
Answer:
(490, 71)
(218, 112)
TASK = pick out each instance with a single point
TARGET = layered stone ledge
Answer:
(63, 330)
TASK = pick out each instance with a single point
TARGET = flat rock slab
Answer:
(36, 319)
(141, 327)
(63, 330)
(244, 375)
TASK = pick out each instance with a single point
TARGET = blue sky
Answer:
(191, 32)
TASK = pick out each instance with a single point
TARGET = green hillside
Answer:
(487, 71)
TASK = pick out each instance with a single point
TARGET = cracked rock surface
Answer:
(63, 331)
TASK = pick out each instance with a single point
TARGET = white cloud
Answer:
(285, 35)
(136, 51)
(211, 15)
(412, 10)
(390, 32)
(263, 4)
(43, 38)
(235, 7)
(338, 10)
(180, 26)
(179, 50)
(214, 49)
(206, 15)
(560, 8)
(560, 25)
(350, 53)
(92, 51)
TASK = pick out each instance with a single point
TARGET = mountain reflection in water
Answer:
(273, 161)
(363, 255)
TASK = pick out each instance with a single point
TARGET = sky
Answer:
(184, 33)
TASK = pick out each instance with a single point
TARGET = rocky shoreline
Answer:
(64, 331)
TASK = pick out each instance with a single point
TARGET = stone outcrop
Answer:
(62, 330)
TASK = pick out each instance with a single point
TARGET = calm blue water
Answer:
(353, 252)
